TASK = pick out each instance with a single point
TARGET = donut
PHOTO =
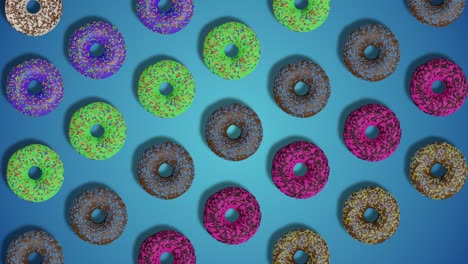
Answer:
(35, 241)
(170, 22)
(244, 227)
(50, 166)
(173, 104)
(381, 38)
(181, 177)
(109, 143)
(384, 144)
(105, 200)
(43, 102)
(244, 118)
(301, 105)
(451, 158)
(238, 66)
(33, 24)
(371, 232)
(301, 239)
(168, 241)
(447, 102)
(315, 178)
(104, 34)
(440, 15)
(301, 20)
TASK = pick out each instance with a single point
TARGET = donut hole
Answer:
(301, 4)
(301, 88)
(231, 215)
(165, 5)
(165, 170)
(438, 170)
(97, 131)
(166, 88)
(372, 132)
(34, 87)
(371, 215)
(437, 2)
(97, 50)
(233, 132)
(438, 87)
(166, 258)
(231, 50)
(35, 173)
(300, 169)
(35, 258)
(300, 257)
(98, 216)
(33, 7)
(371, 52)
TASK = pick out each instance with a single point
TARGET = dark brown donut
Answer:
(36, 241)
(107, 201)
(387, 60)
(301, 105)
(440, 15)
(246, 144)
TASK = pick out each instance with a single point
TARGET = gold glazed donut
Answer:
(450, 158)
(379, 230)
(31, 24)
(301, 239)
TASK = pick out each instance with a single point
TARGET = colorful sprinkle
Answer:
(301, 20)
(168, 241)
(170, 22)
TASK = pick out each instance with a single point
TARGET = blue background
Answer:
(430, 231)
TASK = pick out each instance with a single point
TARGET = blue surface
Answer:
(430, 231)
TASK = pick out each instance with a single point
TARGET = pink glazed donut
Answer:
(447, 102)
(167, 241)
(312, 182)
(364, 147)
(244, 227)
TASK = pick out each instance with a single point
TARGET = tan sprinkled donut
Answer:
(31, 24)
(301, 239)
(379, 230)
(450, 158)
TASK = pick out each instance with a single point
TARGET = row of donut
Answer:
(173, 18)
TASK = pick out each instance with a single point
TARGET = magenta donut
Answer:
(246, 224)
(167, 241)
(384, 144)
(312, 182)
(447, 72)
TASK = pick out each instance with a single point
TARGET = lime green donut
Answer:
(248, 55)
(112, 139)
(35, 190)
(173, 104)
(301, 20)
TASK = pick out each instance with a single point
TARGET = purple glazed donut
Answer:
(312, 182)
(447, 102)
(244, 227)
(384, 144)
(108, 36)
(167, 241)
(162, 22)
(43, 102)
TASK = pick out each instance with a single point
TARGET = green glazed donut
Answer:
(301, 20)
(173, 104)
(35, 190)
(111, 140)
(248, 55)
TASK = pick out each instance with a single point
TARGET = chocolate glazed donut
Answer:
(440, 15)
(234, 149)
(36, 241)
(384, 64)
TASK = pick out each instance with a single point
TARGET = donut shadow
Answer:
(142, 66)
(14, 234)
(210, 191)
(414, 65)
(12, 149)
(147, 233)
(279, 233)
(345, 195)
